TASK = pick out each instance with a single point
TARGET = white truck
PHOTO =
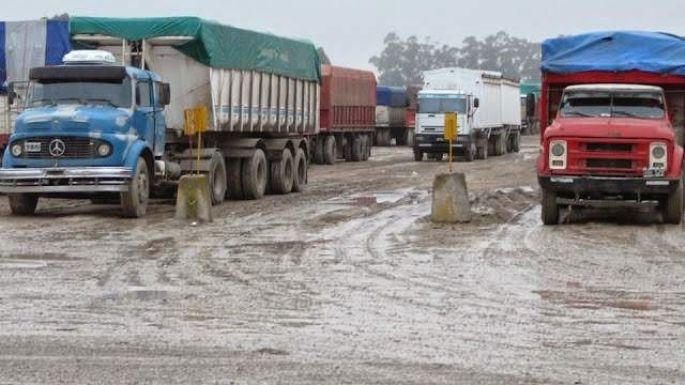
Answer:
(488, 112)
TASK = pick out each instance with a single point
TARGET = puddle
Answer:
(370, 198)
(11, 264)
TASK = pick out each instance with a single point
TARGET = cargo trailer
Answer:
(348, 103)
(24, 45)
(488, 109)
(110, 121)
(391, 116)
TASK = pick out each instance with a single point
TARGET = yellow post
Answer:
(196, 122)
(451, 132)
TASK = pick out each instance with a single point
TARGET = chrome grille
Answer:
(75, 147)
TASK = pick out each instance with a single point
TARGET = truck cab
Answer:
(611, 145)
(430, 123)
(90, 128)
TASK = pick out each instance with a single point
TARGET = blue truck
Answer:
(109, 122)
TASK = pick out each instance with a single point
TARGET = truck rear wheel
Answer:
(300, 178)
(471, 152)
(673, 206)
(550, 208)
(356, 149)
(235, 186)
(365, 147)
(23, 204)
(282, 174)
(515, 142)
(254, 175)
(483, 150)
(330, 153)
(438, 157)
(217, 178)
(500, 145)
(134, 202)
(318, 150)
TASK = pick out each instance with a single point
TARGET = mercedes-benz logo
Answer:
(57, 148)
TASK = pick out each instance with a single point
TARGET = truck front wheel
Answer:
(673, 206)
(134, 201)
(418, 156)
(23, 204)
(550, 208)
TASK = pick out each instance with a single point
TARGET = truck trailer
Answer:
(110, 121)
(24, 45)
(488, 109)
(348, 102)
(391, 116)
(612, 110)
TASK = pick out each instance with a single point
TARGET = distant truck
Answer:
(24, 45)
(392, 113)
(104, 124)
(530, 117)
(348, 103)
(612, 108)
(488, 108)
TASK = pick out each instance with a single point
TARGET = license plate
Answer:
(31, 147)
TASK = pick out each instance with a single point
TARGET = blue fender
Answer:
(134, 152)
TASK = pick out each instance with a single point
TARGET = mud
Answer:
(346, 283)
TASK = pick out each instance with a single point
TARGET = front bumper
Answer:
(65, 180)
(438, 144)
(608, 185)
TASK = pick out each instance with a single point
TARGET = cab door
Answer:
(144, 119)
(160, 120)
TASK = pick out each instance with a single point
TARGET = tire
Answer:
(356, 150)
(254, 175)
(673, 206)
(499, 145)
(300, 171)
(482, 151)
(23, 204)
(516, 145)
(234, 190)
(217, 179)
(318, 150)
(368, 148)
(378, 137)
(387, 137)
(418, 156)
(365, 147)
(439, 157)
(330, 153)
(409, 137)
(134, 202)
(282, 174)
(550, 208)
(471, 152)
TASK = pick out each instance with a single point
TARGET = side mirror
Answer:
(476, 103)
(164, 94)
(11, 95)
(530, 105)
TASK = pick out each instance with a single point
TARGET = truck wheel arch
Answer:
(137, 150)
(677, 161)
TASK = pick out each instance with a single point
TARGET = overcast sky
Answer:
(352, 31)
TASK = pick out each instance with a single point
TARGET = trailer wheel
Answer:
(550, 208)
(369, 143)
(483, 150)
(300, 177)
(673, 206)
(499, 146)
(356, 149)
(365, 147)
(23, 204)
(134, 201)
(254, 175)
(235, 185)
(471, 152)
(217, 178)
(318, 150)
(329, 150)
(282, 174)
(418, 156)
(409, 137)
(516, 143)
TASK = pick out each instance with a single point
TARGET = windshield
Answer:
(441, 104)
(96, 93)
(643, 105)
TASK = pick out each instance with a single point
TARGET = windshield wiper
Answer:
(578, 113)
(626, 113)
(102, 100)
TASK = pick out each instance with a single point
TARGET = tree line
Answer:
(402, 61)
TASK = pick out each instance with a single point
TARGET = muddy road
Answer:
(347, 283)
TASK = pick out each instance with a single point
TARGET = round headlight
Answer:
(104, 149)
(17, 149)
(558, 149)
(658, 152)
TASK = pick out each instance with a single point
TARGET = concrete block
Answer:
(451, 199)
(193, 200)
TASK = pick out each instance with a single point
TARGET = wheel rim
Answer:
(218, 183)
(143, 187)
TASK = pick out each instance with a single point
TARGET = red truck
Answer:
(348, 115)
(613, 105)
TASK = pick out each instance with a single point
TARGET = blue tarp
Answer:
(56, 41)
(615, 51)
(391, 96)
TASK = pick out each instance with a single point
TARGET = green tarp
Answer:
(214, 44)
(530, 87)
